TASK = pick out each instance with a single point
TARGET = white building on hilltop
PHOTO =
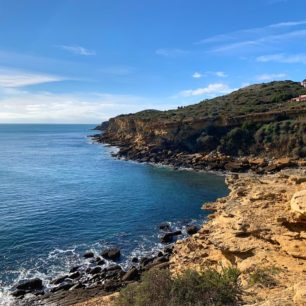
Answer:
(303, 83)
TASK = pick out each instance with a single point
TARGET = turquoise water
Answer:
(61, 195)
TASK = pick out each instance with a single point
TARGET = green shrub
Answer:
(263, 277)
(157, 288)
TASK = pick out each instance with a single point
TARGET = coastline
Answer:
(266, 243)
(233, 237)
(259, 230)
(213, 162)
(67, 292)
(98, 294)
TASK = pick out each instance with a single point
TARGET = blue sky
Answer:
(83, 61)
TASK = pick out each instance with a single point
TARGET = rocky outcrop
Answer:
(298, 205)
(259, 228)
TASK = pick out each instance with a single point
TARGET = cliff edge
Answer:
(260, 228)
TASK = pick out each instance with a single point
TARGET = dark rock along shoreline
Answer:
(103, 275)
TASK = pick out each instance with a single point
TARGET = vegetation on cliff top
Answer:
(257, 120)
(258, 98)
(158, 288)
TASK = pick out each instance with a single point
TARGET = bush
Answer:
(263, 277)
(157, 288)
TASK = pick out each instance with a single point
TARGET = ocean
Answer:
(61, 195)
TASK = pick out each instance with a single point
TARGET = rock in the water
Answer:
(132, 274)
(95, 270)
(74, 269)
(63, 286)
(31, 284)
(59, 280)
(75, 275)
(89, 254)
(112, 254)
(168, 237)
(192, 229)
(165, 226)
(101, 262)
(135, 259)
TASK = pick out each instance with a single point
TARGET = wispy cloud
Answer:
(168, 52)
(263, 41)
(17, 78)
(260, 31)
(283, 58)
(210, 90)
(78, 50)
(271, 77)
(259, 37)
(220, 74)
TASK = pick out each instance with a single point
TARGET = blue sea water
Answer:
(61, 195)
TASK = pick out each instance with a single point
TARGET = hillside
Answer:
(258, 120)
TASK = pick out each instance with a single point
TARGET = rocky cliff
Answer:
(260, 228)
(259, 120)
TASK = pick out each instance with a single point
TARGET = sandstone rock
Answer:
(300, 294)
(298, 205)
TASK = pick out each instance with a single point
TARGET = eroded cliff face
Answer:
(274, 134)
(260, 228)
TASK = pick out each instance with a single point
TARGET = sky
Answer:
(84, 61)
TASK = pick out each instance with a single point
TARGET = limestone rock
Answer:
(298, 205)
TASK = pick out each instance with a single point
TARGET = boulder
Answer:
(298, 205)
(165, 226)
(95, 270)
(145, 261)
(74, 269)
(191, 229)
(75, 275)
(59, 280)
(63, 286)
(168, 237)
(111, 253)
(89, 254)
(31, 284)
(101, 262)
(132, 274)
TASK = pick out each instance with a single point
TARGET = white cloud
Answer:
(263, 41)
(211, 90)
(21, 106)
(167, 52)
(78, 50)
(197, 75)
(259, 31)
(283, 58)
(17, 78)
(271, 76)
(221, 74)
